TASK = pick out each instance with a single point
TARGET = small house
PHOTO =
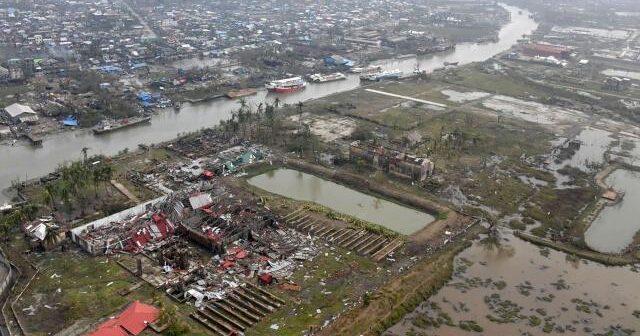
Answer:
(19, 113)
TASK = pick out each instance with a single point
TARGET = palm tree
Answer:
(4, 230)
(64, 188)
(259, 110)
(29, 211)
(243, 103)
(50, 193)
(84, 151)
(270, 114)
(50, 237)
(300, 105)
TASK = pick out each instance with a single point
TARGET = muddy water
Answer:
(593, 144)
(615, 226)
(528, 288)
(300, 186)
(622, 73)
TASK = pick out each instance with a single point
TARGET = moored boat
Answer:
(368, 70)
(241, 93)
(286, 85)
(106, 126)
(318, 78)
(378, 76)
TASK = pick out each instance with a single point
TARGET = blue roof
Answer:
(109, 69)
(138, 66)
(70, 121)
(145, 96)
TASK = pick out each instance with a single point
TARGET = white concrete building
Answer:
(20, 113)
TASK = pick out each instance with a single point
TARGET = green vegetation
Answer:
(77, 287)
(443, 215)
(510, 84)
(79, 186)
(605, 259)
(329, 283)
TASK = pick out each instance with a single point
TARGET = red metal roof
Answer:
(133, 320)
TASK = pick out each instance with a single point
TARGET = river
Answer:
(25, 162)
(301, 186)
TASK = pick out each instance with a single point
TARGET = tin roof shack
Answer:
(391, 161)
(38, 229)
(546, 50)
(19, 113)
(144, 226)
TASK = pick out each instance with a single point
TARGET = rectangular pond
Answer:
(614, 228)
(305, 187)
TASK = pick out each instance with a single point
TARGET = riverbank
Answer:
(363, 184)
(399, 296)
(167, 124)
(609, 260)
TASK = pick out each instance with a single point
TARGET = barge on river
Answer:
(107, 126)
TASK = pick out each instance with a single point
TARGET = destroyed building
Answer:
(200, 244)
(392, 161)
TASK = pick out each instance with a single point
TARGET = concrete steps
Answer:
(243, 308)
(360, 241)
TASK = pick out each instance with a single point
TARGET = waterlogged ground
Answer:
(533, 111)
(615, 226)
(462, 97)
(516, 288)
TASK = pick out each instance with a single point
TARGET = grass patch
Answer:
(74, 286)
(329, 283)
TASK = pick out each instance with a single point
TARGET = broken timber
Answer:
(240, 310)
(362, 242)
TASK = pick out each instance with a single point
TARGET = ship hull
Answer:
(118, 127)
(286, 89)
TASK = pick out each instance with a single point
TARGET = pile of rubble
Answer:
(200, 244)
(143, 227)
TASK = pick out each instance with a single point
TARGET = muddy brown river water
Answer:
(517, 288)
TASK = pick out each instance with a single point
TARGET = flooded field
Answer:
(533, 111)
(594, 143)
(515, 288)
(627, 150)
(305, 187)
(615, 226)
(594, 32)
(622, 73)
(328, 128)
(461, 97)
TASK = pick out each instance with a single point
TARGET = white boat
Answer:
(378, 76)
(318, 78)
(369, 69)
(286, 85)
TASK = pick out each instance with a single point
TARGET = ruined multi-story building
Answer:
(392, 161)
